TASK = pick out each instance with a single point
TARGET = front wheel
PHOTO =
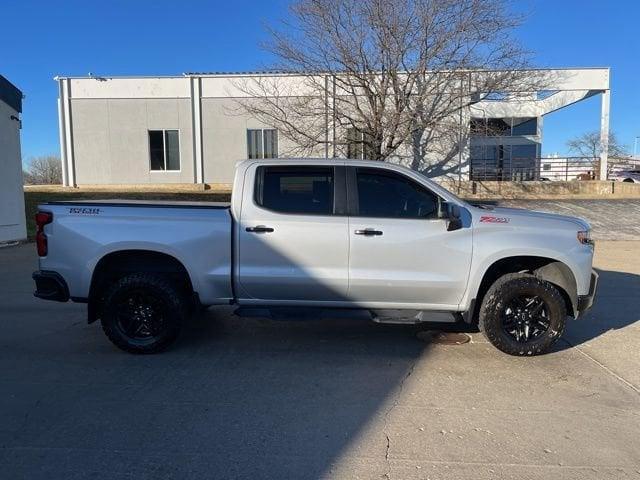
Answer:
(523, 315)
(143, 313)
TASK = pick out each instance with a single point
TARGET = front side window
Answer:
(164, 150)
(390, 195)
(262, 143)
(302, 190)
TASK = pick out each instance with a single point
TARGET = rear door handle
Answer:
(370, 232)
(259, 229)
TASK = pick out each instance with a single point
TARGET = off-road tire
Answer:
(170, 303)
(504, 289)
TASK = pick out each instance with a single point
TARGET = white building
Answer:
(12, 220)
(188, 129)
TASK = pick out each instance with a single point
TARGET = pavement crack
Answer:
(397, 396)
(387, 474)
(605, 368)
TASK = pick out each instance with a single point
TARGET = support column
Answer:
(334, 117)
(196, 127)
(326, 116)
(604, 134)
(61, 132)
(65, 85)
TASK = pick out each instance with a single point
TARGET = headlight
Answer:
(584, 237)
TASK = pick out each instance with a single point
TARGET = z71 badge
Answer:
(492, 219)
(84, 211)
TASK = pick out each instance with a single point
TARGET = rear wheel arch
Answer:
(544, 268)
(116, 265)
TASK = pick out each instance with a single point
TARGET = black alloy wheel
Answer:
(143, 313)
(525, 318)
(522, 314)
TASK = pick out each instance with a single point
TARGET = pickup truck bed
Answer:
(87, 233)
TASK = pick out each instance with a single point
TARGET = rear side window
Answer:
(389, 195)
(303, 190)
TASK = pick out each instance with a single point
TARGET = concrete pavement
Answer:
(238, 398)
(609, 219)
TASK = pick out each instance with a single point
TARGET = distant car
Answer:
(586, 176)
(625, 176)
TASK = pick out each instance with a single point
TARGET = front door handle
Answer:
(368, 232)
(259, 229)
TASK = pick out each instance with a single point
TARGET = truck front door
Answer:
(292, 234)
(400, 252)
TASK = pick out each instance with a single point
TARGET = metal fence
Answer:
(546, 168)
(535, 169)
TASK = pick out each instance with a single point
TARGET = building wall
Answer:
(105, 121)
(12, 221)
(111, 140)
(224, 139)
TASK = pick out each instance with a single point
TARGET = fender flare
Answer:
(561, 276)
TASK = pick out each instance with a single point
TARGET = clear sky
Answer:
(42, 39)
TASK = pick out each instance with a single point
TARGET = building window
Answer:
(524, 126)
(504, 127)
(262, 143)
(359, 145)
(164, 150)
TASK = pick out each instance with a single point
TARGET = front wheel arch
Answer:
(548, 269)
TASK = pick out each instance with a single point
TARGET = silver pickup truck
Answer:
(305, 238)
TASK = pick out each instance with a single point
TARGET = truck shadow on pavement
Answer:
(283, 399)
(617, 305)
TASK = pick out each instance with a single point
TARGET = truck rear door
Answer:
(292, 234)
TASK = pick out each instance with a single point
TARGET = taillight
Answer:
(42, 219)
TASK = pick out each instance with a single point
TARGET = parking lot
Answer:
(244, 398)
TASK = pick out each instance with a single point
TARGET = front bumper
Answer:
(50, 286)
(585, 302)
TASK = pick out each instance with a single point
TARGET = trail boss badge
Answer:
(492, 219)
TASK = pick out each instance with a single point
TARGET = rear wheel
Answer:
(522, 314)
(143, 313)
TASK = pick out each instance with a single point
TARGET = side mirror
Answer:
(451, 212)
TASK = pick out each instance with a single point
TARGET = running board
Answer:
(412, 317)
(400, 317)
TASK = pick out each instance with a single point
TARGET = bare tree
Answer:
(588, 145)
(27, 179)
(395, 75)
(45, 170)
